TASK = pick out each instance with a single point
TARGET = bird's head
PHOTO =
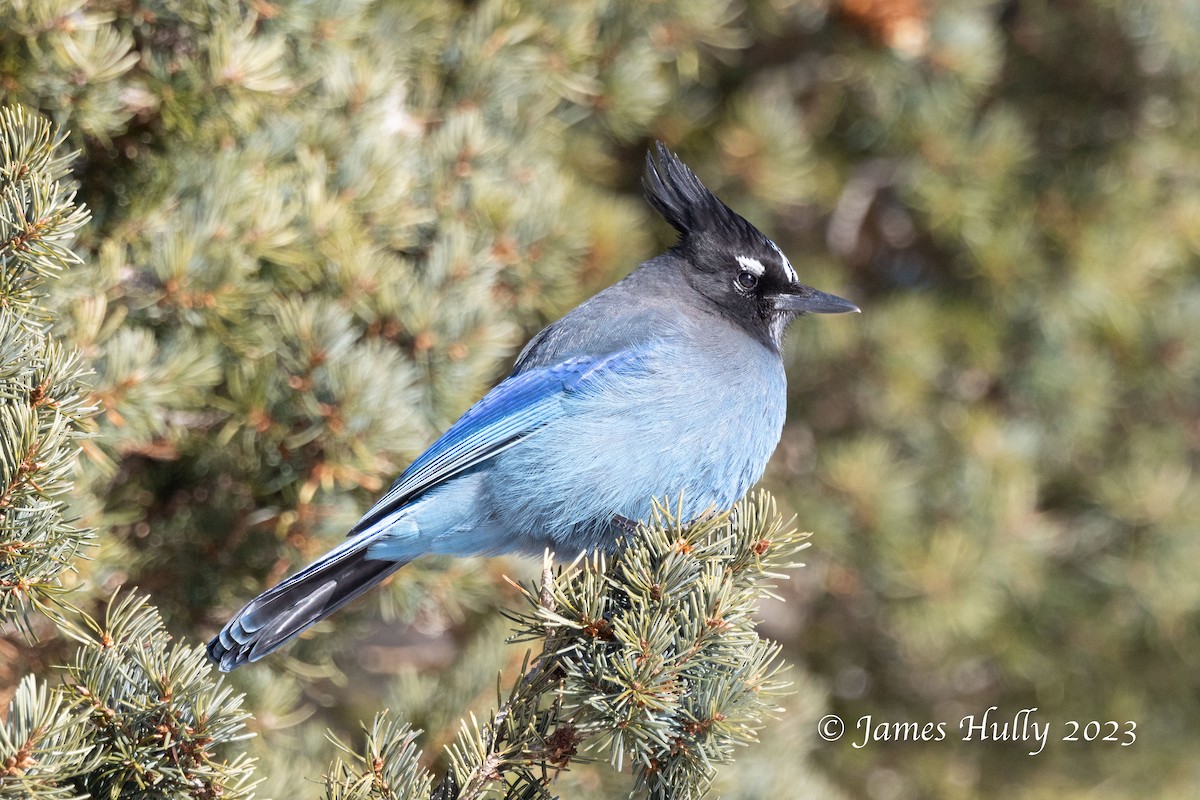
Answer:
(726, 259)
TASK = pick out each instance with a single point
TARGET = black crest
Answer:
(674, 191)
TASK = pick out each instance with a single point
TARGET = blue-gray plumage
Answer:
(668, 384)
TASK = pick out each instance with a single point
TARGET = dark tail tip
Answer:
(270, 620)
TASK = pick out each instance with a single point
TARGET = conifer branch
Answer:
(134, 717)
(648, 657)
(388, 769)
(44, 408)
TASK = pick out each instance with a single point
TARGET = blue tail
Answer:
(268, 621)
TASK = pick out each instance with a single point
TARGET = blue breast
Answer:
(699, 422)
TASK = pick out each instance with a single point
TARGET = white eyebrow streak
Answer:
(787, 265)
(752, 265)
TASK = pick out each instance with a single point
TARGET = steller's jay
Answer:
(669, 383)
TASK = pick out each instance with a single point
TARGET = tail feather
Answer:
(268, 621)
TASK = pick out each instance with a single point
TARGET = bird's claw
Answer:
(624, 525)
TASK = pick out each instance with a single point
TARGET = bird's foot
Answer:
(698, 521)
(624, 525)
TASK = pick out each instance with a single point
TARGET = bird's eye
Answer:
(747, 280)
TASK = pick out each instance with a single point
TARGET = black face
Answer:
(729, 261)
(745, 280)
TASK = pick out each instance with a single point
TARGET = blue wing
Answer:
(517, 408)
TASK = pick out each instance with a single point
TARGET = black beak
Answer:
(801, 299)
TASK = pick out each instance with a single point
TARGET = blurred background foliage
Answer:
(321, 229)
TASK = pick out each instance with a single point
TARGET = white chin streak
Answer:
(778, 325)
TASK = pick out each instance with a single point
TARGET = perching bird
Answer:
(668, 384)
